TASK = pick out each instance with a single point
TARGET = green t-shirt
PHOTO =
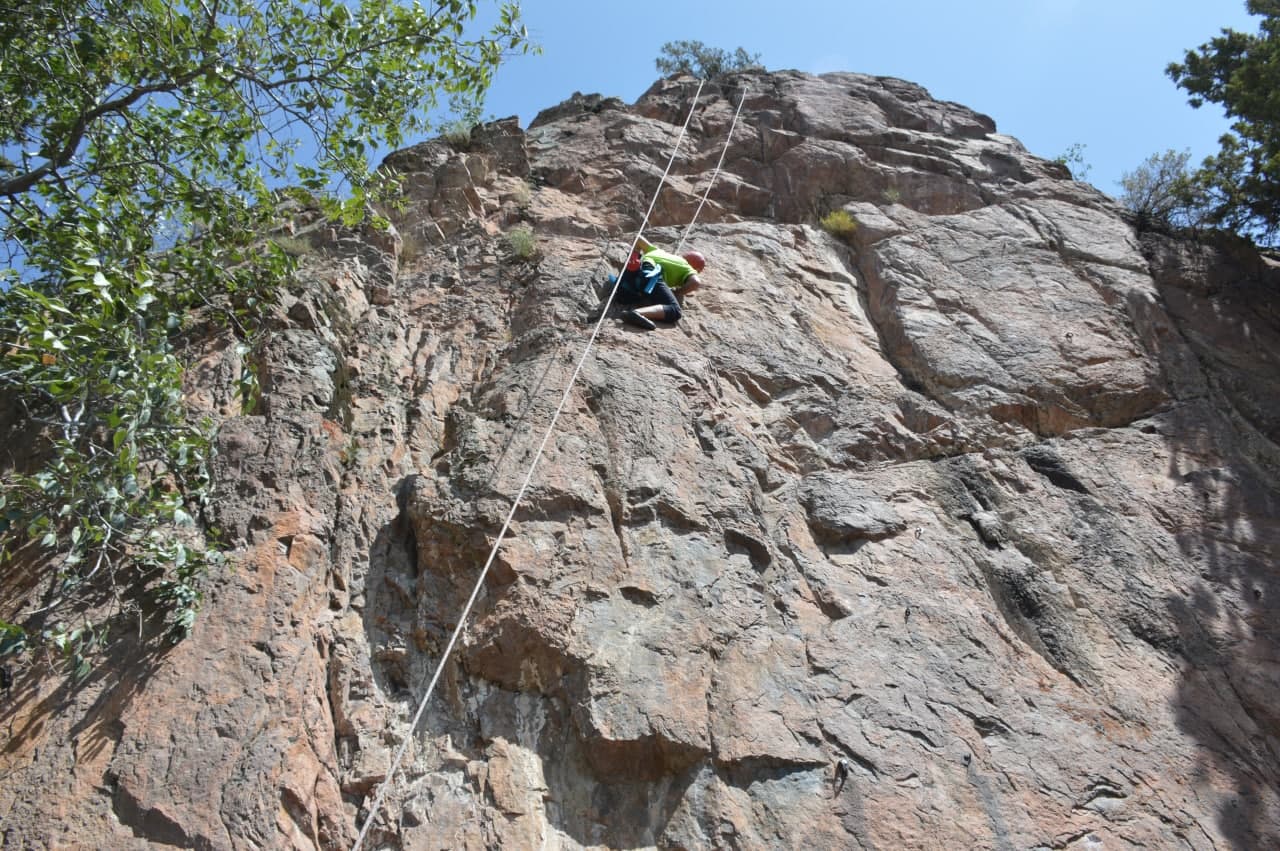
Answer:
(675, 269)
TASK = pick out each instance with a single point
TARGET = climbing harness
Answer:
(484, 572)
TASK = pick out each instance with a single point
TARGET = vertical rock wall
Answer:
(959, 534)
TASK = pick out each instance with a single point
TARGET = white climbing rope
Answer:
(475, 592)
(728, 139)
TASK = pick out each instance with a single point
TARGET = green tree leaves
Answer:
(1241, 71)
(694, 57)
(94, 371)
(192, 112)
(1163, 193)
(142, 142)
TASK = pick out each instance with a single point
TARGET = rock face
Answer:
(960, 534)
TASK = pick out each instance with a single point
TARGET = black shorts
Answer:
(661, 294)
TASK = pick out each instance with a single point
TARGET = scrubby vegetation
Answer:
(840, 224)
(694, 57)
(522, 242)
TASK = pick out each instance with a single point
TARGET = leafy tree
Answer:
(139, 144)
(1241, 71)
(1163, 192)
(694, 57)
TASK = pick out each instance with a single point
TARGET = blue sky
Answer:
(1052, 73)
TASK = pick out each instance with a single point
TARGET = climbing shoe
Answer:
(633, 318)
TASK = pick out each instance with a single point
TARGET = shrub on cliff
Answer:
(840, 224)
(1163, 193)
(522, 242)
(140, 142)
(694, 57)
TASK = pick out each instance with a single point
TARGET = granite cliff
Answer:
(959, 533)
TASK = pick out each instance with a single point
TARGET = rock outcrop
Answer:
(962, 533)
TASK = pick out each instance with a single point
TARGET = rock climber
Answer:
(650, 283)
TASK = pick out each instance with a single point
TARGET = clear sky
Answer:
(1052, 73)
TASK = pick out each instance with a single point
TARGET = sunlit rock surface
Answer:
(960, 534)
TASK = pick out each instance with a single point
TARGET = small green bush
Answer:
(840, 224)
(1163, 193)
(458, 134)
(1073, 159)
(522, 243)
(694, 57)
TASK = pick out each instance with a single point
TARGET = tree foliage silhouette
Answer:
(1241, 71)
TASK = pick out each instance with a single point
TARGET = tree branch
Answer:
(119, 106)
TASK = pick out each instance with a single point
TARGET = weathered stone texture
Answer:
(962, 534)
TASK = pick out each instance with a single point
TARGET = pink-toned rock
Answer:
(957, 534)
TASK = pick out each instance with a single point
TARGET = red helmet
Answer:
(696, 260)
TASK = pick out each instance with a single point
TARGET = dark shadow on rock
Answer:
(391, 600)
(120, 674)
(1222, 298)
